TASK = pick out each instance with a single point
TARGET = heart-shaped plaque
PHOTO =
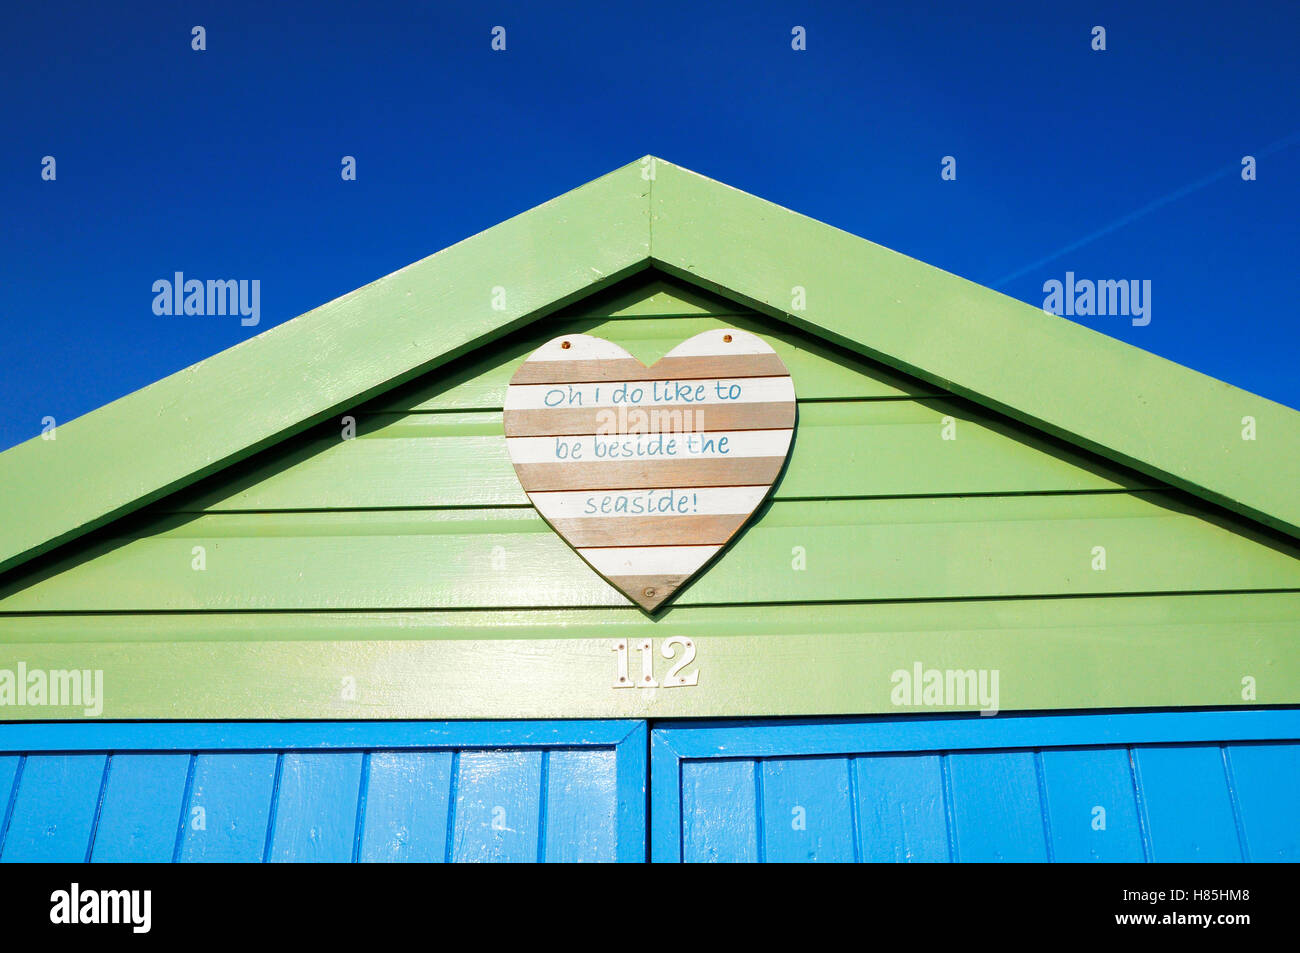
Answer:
(648, 471)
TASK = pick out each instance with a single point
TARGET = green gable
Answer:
(941, 503)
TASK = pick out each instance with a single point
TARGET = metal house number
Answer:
(678, 648)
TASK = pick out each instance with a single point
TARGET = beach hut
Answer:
(928, 574)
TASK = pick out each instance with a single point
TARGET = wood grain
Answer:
(745, 471)
(649, 530)
(669, 418)
(648, 591)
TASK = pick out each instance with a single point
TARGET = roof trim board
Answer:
(1130, 406)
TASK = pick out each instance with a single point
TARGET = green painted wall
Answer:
(407, 562)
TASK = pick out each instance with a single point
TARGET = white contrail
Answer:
(1149, 207)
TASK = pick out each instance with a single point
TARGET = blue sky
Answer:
(225, 163)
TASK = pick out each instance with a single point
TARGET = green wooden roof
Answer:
(1123, 403)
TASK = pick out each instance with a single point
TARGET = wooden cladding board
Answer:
(905, 524)
(881, 448)
(798, 551)
(837, 659)
(649, 471)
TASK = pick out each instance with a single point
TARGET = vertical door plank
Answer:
(140, 815)
(1091, 805)
(498, 806)
(719, 812)
(8, 774)
(229, 807)
(995, 806)
(1184, 795)
(54, 812)
(807, 810)
(581, 806)
(664, 776)
(632, 779)
(407, 799)
(901, 815)
(8, 778)
(316, 807)
(1267, 777)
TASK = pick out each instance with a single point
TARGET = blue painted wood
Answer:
(324, 791)
(1185, 803)
(497, 806)
(55, 809)
(827, 736)
(665, 798)
(316, 807)
(143, 800)
(1200, 785)
(581, 806)
(996, 809)
(1092, 807)
(1265, 779)
(720, 815)
(632, 757)
(10, 770)
(283, 735)
(808, 810)
(1173, 786)
(901, 808)
(229, 808)
(407, 800)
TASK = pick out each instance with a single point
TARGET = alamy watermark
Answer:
(1127, 298)
(221, 296)
(78, 905)
(946, 688)
(82, 688)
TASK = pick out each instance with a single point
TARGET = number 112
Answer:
(646, 679)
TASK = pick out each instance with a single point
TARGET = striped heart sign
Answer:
(648, 471)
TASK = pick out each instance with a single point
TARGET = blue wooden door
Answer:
(1130, 787)
(1160, 786)
(395, 791)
